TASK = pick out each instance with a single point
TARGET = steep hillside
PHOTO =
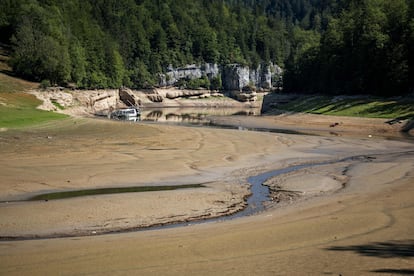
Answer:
(106, 44)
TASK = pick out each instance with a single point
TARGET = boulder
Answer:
(185, 93)
(245, 96)
(154, 96)
(128, 98)
(96, 101)
(103, 101)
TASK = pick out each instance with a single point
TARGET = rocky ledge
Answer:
(100, 102)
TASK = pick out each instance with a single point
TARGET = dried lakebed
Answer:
(263, 195)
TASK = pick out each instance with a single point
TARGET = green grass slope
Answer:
(18, 109)
(358, 106)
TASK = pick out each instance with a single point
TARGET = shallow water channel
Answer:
(260, 194)
(203, 117)
(189, 115)
(256, 202)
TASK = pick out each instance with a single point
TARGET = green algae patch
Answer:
(106, 191)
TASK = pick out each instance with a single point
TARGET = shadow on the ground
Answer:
(408, 126)
(391, 249)
(395, 271)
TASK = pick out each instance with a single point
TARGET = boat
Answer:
(129, 114)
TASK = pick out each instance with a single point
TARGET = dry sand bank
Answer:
(325, 125)
(85, 153)
(362, 229)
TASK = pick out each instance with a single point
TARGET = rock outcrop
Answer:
(89, 101)
(189, 72)
(186, 93)
(52, 98)
(97, 100)
(247, 94)
(154, 96)
(128, 97)
(234, 77)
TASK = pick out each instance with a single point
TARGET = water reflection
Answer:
(192, 115)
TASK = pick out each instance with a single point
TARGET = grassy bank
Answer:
(356, 106)
(18, 109)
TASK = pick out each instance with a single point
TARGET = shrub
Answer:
(45, 84)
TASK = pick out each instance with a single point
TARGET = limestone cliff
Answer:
(234, 77)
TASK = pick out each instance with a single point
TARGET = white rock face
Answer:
(189, 72)
(233, 76)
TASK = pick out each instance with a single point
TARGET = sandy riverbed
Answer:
(352, 217)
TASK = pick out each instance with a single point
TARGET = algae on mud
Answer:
(105, 191)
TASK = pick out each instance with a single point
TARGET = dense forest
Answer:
(329, 46)
(367, 48)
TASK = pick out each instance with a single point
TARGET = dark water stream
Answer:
(260, 194)
(256, 202)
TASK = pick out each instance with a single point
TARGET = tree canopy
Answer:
(330, 46)
(367, 49)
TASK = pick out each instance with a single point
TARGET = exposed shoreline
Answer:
(216, 202)
(84, 153)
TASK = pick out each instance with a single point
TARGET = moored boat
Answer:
(126, 113)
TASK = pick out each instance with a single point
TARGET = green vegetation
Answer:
(195, 83)
(366, 49)
(109, 43)
(19, 110)
(58, 105)
(329, 46)
(105, 191)
(401, 108)
(10, 84)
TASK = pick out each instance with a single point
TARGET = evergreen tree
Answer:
(330, 46)
(365, 51)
